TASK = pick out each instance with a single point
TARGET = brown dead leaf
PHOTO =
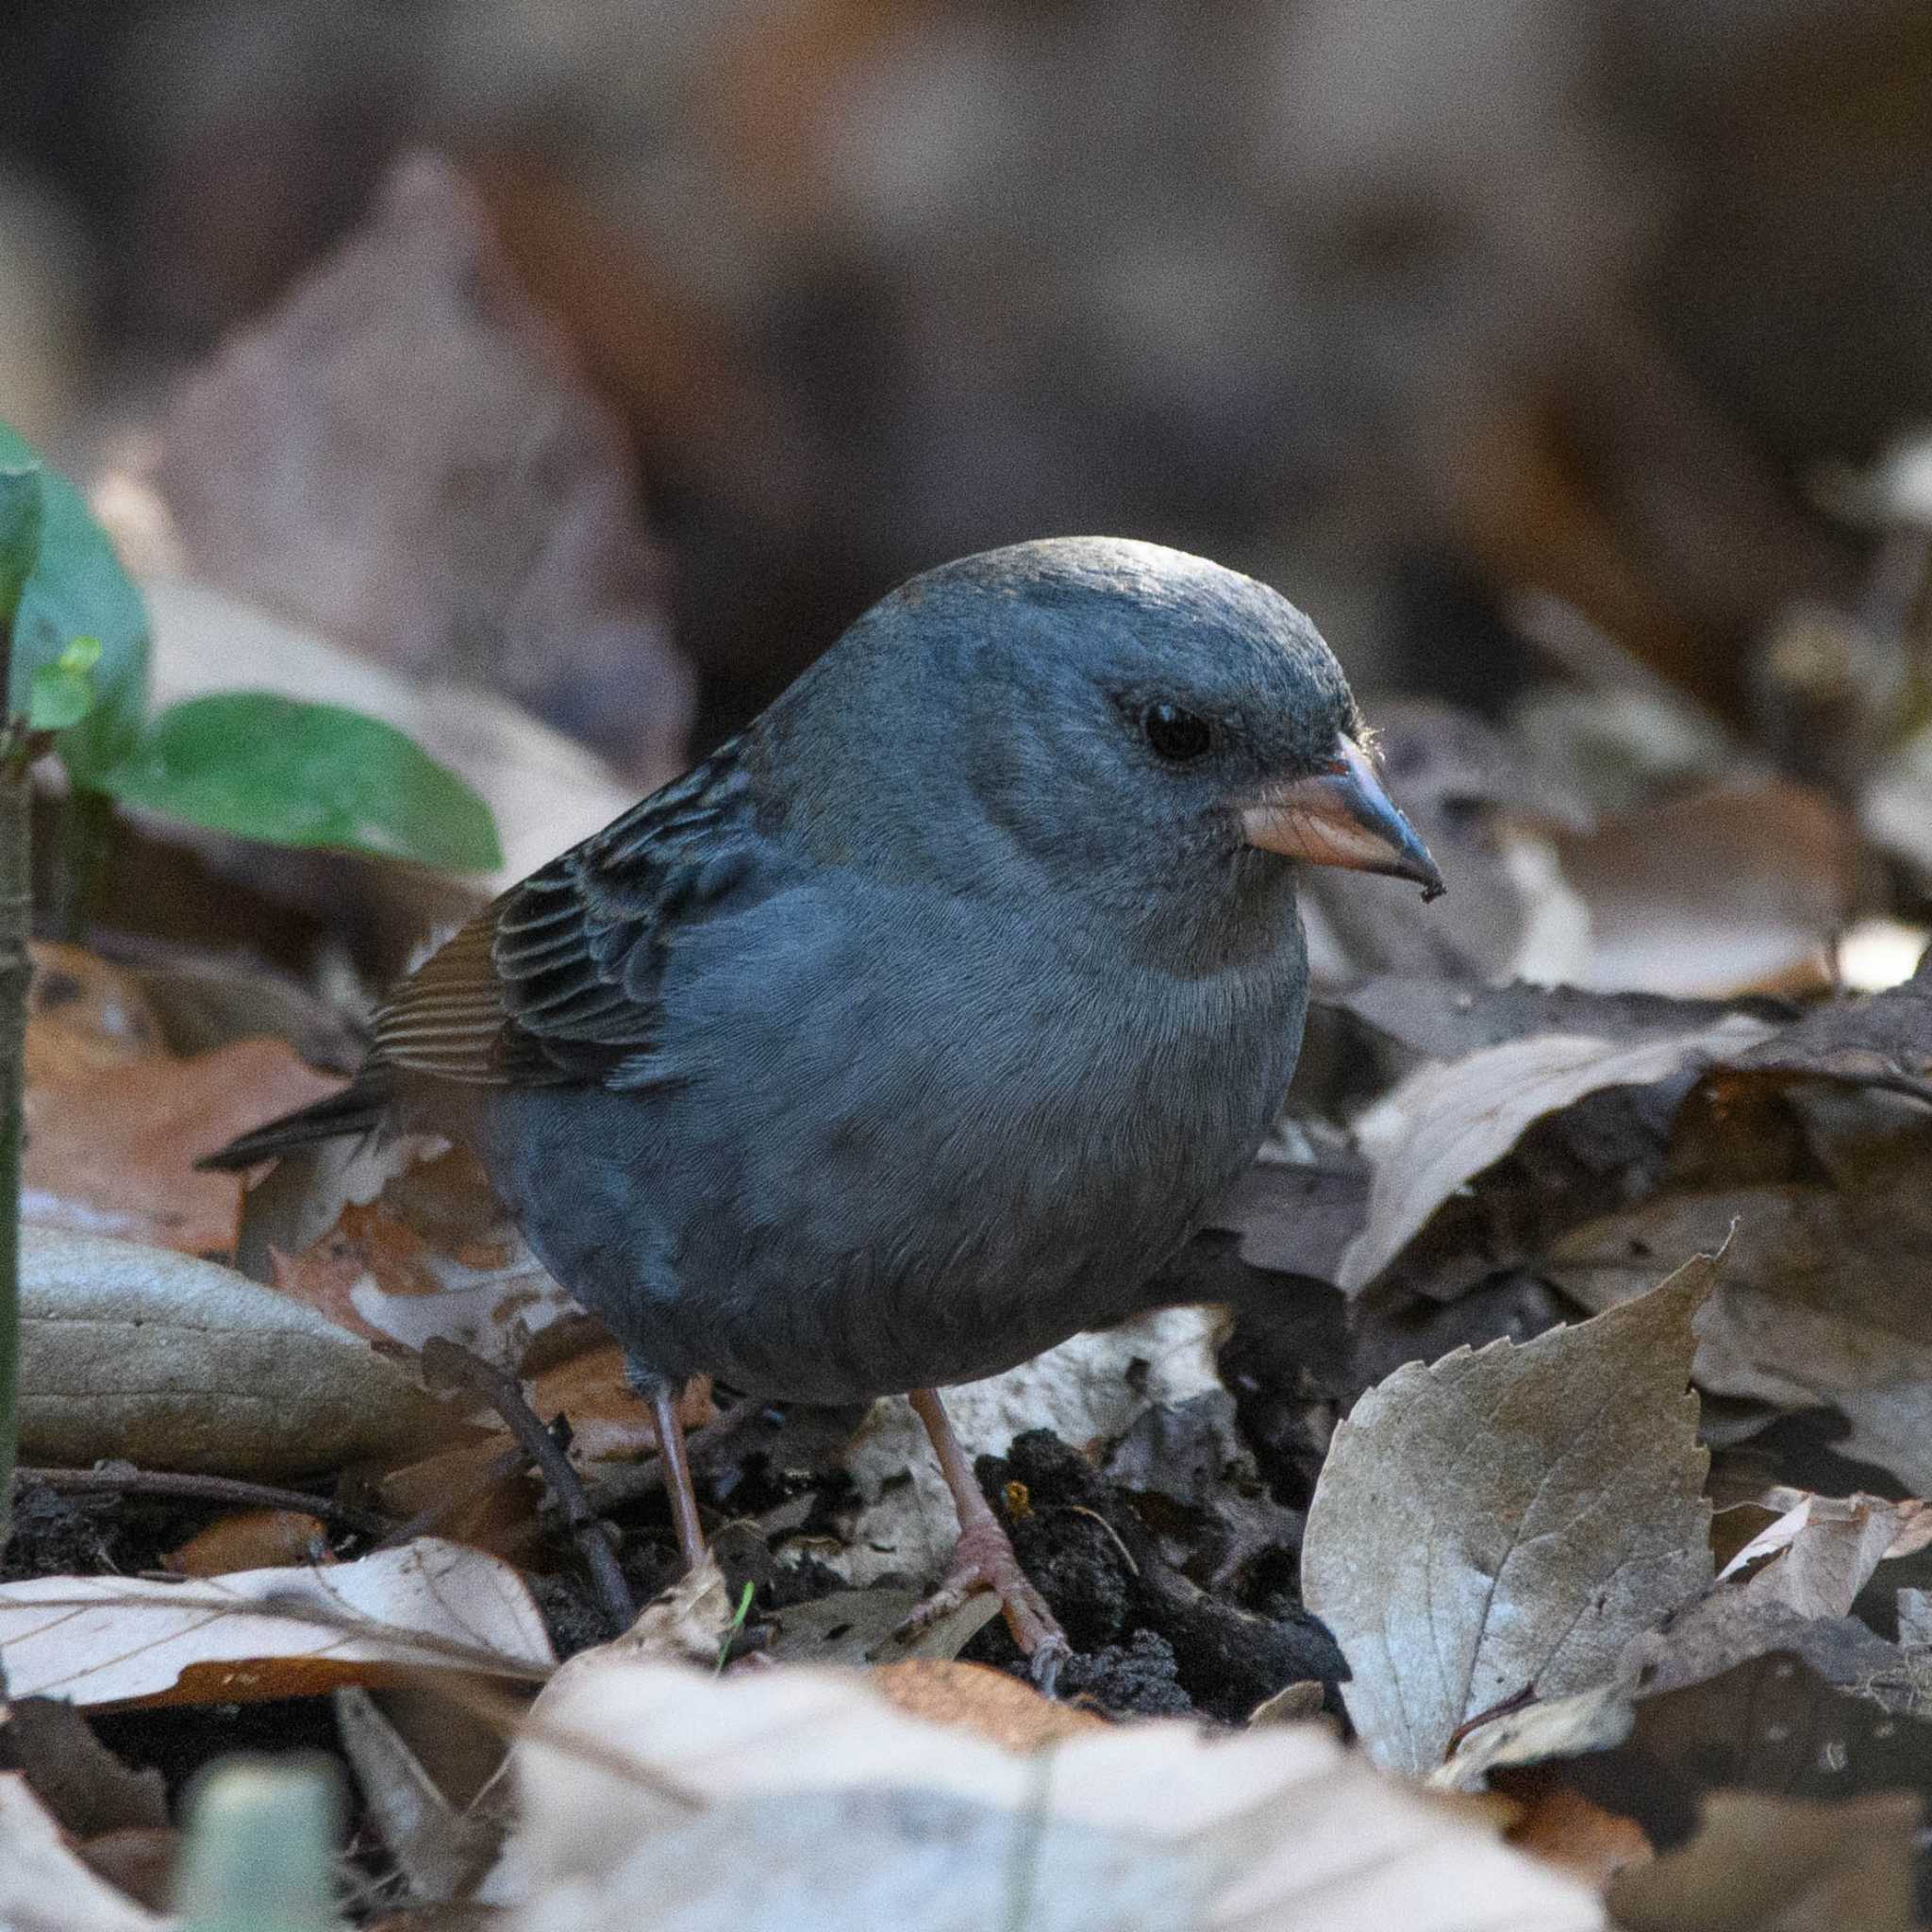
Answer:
(609, 1420)
(477, 1500)
(1825, 1297)
(1766, 1864)
(110, 1641)
(203, 1004)
(441, 1847)
(1882, 1040)
(976, 1698)
(83, 1015)
(405, 455)
(1508, 1520)
(1443, 1126)
(88, 1789)
(1566, 1829)
(46, 1887)
(113, 1152)
(1733, 890)
(172, 1362)
(250, 1539)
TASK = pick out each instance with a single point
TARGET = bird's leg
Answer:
(983, 1558)
(662, 1394)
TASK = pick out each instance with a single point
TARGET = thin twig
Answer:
(228, 1491)
(445, 1363)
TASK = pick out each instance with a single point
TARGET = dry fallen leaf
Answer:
(250, 1539)
(1823, 1298)
(113, 1152)
(1766, 1864)
(1507, 1521)
(46, 1887)
(171, 1362)
(864, 1816)
(975, 1697)
(1566, 1829)
(1811, 1564)
(405, 454)
(1443, 1126)
(84, 1014)
(1725, 892)
(441, 1848)
(119, 1641)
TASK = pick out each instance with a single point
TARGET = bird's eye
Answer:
(1175, 734)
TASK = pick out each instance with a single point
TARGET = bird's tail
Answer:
(358, 1109)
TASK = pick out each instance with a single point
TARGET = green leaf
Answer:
(59, 698)
(291, 773)
(19, 533)
(77, 589)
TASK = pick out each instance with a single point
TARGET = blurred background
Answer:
(1513, 341)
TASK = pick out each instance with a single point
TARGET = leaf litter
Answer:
(1423, 1492)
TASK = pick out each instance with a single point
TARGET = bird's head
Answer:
(1138, 730)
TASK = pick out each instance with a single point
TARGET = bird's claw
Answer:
(982, 1560)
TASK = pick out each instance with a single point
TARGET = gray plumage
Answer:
(916, 1028)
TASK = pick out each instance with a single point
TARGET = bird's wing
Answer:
(558, 980)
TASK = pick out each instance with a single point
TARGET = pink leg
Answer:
(983, 1557)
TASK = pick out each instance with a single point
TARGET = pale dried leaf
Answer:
(171, 1362)
(1443, 1126)
(46, 1887)
(1826, 1548)
(1593, 1720)
(862, 1816)
(1508, 1520)
(115, 1640)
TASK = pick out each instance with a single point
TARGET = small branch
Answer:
(446, 1365)
(227, 1490)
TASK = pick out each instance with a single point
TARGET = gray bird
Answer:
(913, 1030)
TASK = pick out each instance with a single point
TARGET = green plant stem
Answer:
(87, 823)
(16, 910)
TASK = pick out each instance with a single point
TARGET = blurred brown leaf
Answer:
(977, 1698)
(1734, 891)
(85, 1014)
(1765, 1864)
(113, 1152)
(405, 455)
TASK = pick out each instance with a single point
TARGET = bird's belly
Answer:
(832, 1237)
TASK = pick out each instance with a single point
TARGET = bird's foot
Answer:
(983, 1558)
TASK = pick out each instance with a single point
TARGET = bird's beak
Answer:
(1341, 816)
